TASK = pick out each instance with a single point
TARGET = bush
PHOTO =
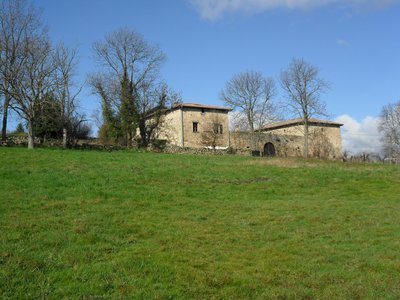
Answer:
(158, 145)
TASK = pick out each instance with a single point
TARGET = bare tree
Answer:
(303, 88)
(65, 60)
(19, 22)
(238, 122)
(130, 68)
(390, 126)
(252, 94)
(32, 81)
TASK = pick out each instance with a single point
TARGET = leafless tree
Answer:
(130, 67)
(33, 81)
(238, 122)
(251, 94)
(390, 126)
(65, 60)
(303, 88)
(19, 23)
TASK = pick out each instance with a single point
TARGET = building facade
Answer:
(286, 138)
(196, 126)
(205, 126)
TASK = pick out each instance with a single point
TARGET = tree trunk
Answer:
(65, 138)
(143, 135)
(128, 139)
(31, 135)
(252, 133)
(305, 138)
(5, 117)
(254, 140)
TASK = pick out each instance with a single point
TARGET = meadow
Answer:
(89, 225)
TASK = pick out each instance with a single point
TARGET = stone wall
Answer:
(204, 151)
(205, 135)
(171, 128)
(285, 145)
(18, 140)
(324, 141)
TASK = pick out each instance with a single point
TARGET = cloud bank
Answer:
(358, 137)
(216, 9)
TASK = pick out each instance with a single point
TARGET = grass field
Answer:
(90, 225)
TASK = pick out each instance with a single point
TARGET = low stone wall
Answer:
(285, 145)
(22, 141)
(202, 151)
(17, 140)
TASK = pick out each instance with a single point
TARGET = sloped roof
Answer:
(195, 105)
(298, 121)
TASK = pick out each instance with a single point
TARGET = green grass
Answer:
(76, 224)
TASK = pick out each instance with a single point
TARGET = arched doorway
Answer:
(269, 149)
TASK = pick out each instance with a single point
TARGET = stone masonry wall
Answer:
(170, 128)
(285, 145)
(205, 135)
(324, 141)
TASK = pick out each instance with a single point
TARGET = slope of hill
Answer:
(78, 224)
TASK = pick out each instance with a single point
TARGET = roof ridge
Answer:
(297, 121)
(198, 105)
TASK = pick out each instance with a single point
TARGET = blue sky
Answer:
(354, 43)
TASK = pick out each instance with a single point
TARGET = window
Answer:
(195, 126)
(218, 128)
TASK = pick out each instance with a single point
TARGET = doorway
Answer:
(269, 150)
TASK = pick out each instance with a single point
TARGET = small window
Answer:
(218, 128)
(195, 126)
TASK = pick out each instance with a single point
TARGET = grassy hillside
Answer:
(156, 226)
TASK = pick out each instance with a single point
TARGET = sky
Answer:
(354, 43)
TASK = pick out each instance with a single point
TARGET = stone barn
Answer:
(286, 138)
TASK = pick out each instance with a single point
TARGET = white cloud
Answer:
(361, 136)
(215, 9)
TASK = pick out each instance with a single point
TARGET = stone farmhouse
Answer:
(196, 126)
(205, 126)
